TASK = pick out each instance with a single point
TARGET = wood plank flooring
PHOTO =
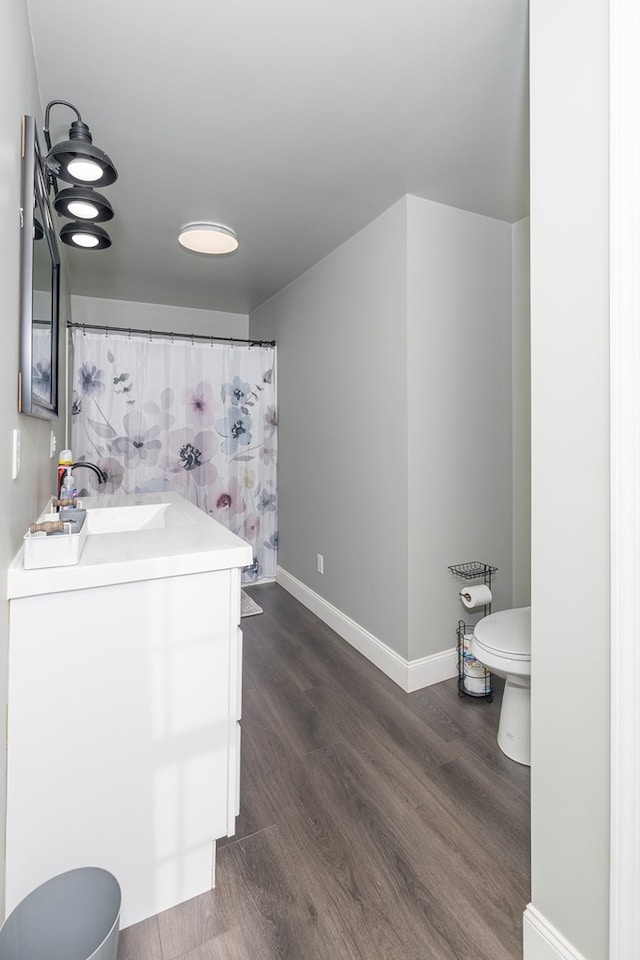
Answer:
(374, 824)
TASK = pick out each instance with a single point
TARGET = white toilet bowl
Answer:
(502, 642)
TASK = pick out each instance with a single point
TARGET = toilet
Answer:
(502, 642)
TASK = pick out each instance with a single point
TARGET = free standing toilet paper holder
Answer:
(472, 682)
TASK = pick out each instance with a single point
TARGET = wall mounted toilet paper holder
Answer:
(470, 682)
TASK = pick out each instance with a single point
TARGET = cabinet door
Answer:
(119, 730)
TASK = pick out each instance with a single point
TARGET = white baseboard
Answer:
(432, 669)
(408, 674)
(542, 941)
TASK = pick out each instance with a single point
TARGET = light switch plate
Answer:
(15, 454)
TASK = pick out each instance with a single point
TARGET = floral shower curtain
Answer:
(194, 417)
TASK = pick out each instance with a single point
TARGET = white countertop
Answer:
(191, 542)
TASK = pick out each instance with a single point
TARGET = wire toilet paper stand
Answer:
(473, 679)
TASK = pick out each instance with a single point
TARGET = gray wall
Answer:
(126, 313)
(570, 469)
(459, 413)
(23, 498)
(342, 439)
(394, 388)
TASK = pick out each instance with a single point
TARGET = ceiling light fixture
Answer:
(78, 160)
(210, 238)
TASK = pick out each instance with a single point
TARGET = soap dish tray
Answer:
(59, 548)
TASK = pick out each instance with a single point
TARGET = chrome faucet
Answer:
(100, 474)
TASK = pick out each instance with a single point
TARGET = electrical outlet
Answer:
(53, 443)
(319, 563)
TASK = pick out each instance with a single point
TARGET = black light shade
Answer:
(85, 236)
(78, 160)
(83, 203)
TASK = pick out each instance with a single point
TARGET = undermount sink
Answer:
(121, 519)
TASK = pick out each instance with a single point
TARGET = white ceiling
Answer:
(295, 123)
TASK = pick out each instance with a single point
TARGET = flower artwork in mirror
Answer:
(39, 286)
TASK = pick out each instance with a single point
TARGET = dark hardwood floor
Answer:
(374, 823)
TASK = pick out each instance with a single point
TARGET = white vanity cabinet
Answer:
(123, 743)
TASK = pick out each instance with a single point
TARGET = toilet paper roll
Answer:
(477, 596)
(477, 686)
(473, 668)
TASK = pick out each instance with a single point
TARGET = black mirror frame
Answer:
(35, 195)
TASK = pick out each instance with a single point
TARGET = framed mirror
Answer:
(39, 286)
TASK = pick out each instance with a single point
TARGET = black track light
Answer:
(86, 236)
(77, 160)
(83, 203)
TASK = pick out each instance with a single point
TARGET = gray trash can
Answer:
(74, 916)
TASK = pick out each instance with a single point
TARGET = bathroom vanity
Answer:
(124, 704)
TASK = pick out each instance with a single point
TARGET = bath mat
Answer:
(249, 607)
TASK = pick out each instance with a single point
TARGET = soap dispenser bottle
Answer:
(68, 491)
(64, 464)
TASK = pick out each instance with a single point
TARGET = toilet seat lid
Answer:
(506, 633)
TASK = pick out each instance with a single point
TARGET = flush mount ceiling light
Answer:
(85, 235)
(211, 238)
(78, 160)
(83, 203)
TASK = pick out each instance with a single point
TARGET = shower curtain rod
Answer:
(172, 336)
